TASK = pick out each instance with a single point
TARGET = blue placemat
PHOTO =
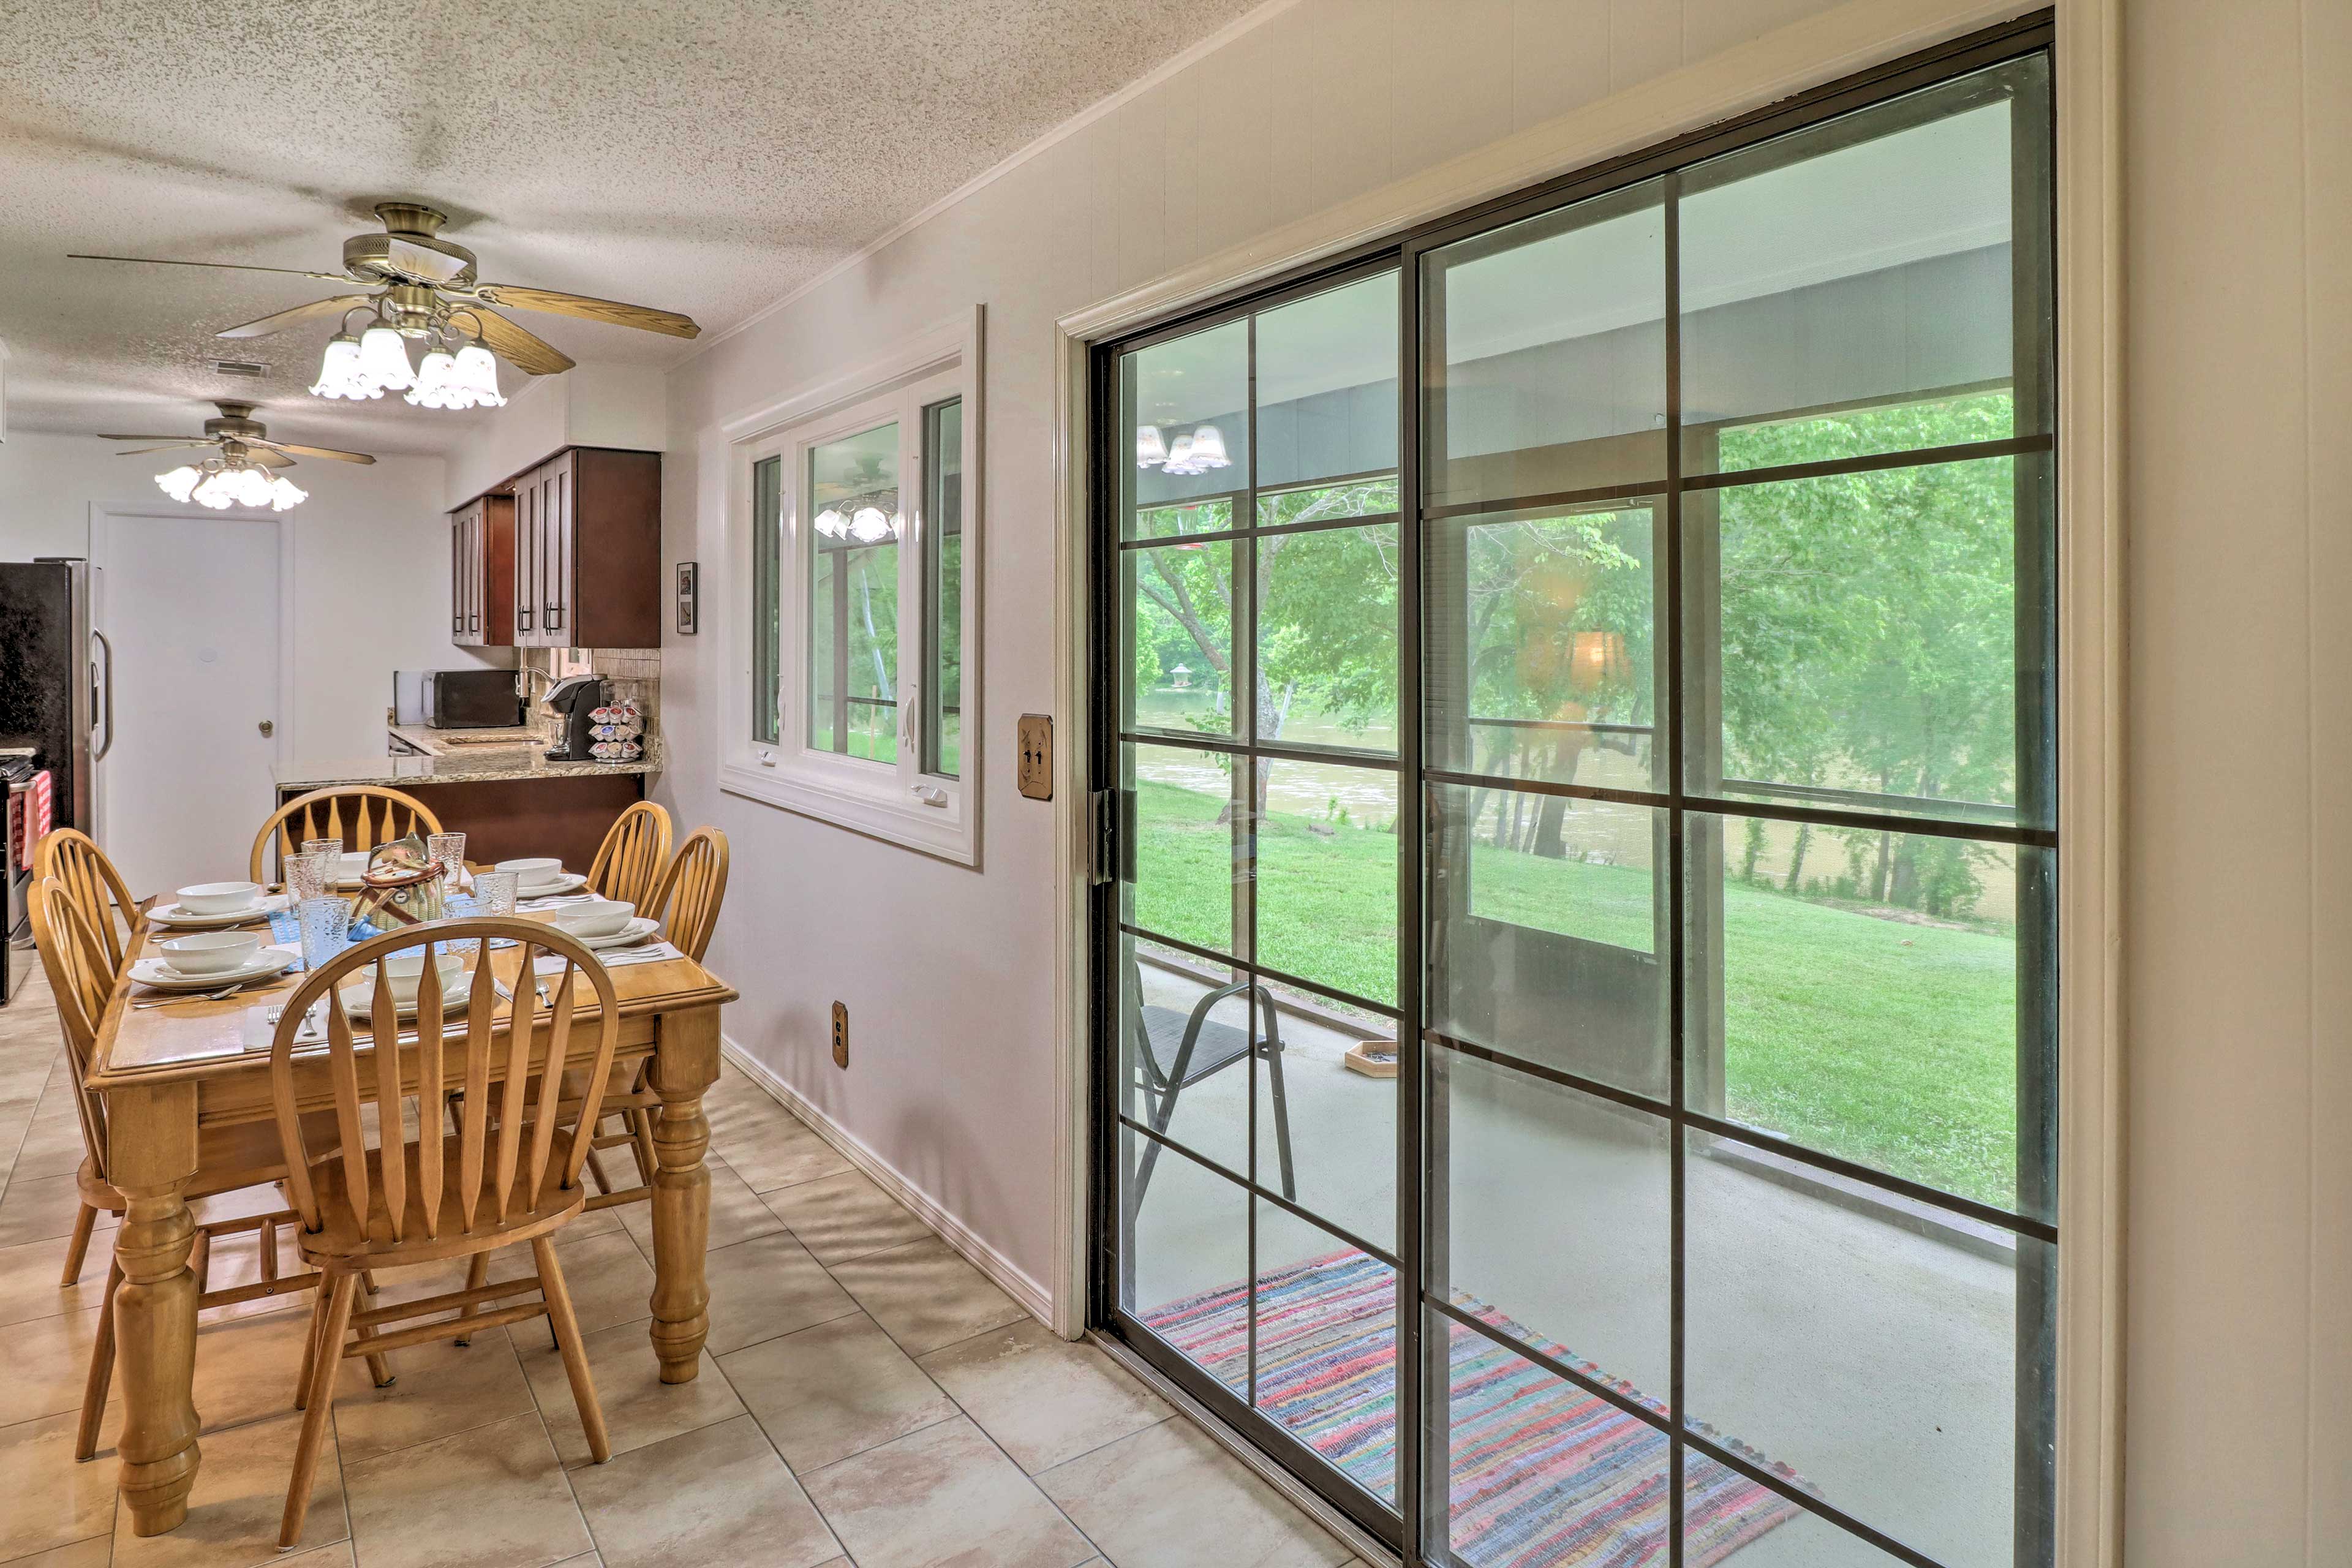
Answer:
(286, 927)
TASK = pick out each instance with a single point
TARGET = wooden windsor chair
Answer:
(687, 902)
(629, 862)
(228, 1158)
(76, 862)
(360, 815)
(507, 1175)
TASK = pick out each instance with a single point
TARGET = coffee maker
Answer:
(576, 700)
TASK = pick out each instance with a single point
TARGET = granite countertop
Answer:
(459, 764)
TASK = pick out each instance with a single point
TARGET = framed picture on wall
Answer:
(687, 612)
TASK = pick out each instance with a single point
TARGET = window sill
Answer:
(947, 830)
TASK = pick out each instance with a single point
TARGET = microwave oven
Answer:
(455, 698)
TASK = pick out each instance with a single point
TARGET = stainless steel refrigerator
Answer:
(55, 671)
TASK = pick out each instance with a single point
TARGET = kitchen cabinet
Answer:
(481, 573)
(587, 548)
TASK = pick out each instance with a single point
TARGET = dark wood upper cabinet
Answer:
(588, 551)
(569, 558)
(481, 569)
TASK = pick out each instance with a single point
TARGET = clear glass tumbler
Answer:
(449, 848)
(326, 928)
(333, 849)
(309, 876)
(495, 891)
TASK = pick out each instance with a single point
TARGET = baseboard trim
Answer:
(1007, 1276)
(1294, 1491)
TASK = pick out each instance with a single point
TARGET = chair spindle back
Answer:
(691, 892)
(505, 1143)
(81, 980)
(359, 815)
(97, 889)
(629, 862)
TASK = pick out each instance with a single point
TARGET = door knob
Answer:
(268, 727)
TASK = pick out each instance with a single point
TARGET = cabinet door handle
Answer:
(525, 615)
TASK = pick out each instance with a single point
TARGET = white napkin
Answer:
(614, 958)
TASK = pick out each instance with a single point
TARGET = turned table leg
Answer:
(151, 1155)
(686, 1063)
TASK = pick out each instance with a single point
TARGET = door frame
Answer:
(103, 518)
(2086, 58)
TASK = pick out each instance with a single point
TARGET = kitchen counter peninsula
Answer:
(507, 799)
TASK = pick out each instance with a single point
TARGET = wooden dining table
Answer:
(166, 1071)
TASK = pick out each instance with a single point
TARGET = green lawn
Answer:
(1889, 1043)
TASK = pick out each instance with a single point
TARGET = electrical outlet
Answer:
(840, 1035)
(1034, 774)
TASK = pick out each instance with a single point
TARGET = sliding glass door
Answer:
(1576, 982)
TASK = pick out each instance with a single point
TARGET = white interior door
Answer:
(192, 608)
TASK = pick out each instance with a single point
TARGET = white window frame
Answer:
(897, 802)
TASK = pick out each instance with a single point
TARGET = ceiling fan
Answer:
(239, 474)
(426, 287)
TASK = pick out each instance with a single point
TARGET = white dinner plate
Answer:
(359, 998)
(570, 882)
(266, 964)
(172, 915)
(639, 928)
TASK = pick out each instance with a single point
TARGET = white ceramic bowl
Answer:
(606, 916)
(405, 968)
(540, 873)
(211, 952)
(218, 898)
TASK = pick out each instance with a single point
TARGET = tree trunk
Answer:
(1795, 883)
(1566, 757)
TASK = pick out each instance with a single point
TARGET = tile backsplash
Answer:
(628, 673)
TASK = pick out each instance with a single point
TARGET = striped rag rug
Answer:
(1544, 1473)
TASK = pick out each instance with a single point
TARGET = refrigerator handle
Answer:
(106, 689)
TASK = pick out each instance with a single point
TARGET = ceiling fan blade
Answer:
(182, 438)
(167, 446)
(270, 460)
(424, 261)
(281, 320)
(227, 265)
(527, 351)
(310, 451)
(642, 317)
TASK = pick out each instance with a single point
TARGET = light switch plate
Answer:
(1035, 774)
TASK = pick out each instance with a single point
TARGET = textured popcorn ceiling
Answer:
(704, 157)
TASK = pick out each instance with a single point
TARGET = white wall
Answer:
(2238, 163)
(588, 406)
(2239, 762)
(371, 571)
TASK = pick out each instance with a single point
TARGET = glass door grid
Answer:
(1719, 473)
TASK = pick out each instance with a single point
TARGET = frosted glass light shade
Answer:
(831, 524)
(870, 525)
(384, 360)
(478, 369)
(1180, 457)
(180, 482)
(437, 384)
(1209, 448)
(340, 374)
(1150, 447)
(284, 495)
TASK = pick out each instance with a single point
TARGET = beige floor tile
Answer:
(239, 1497)
(48, 1500)
(339, 1555)
(770, 1155)
(835, 1390)
(96, 1553)
(611, 1282)
(765, 1286)
(844, 1216)
(491, 1498)
(944, 1494)
(718, 1495)
(53, 1147)
(926, 1296)
(246, 1368)
(47, 1365)
(437, 1390)
(736, 1212)
(639, 1407)
(28, 1279)
(38, 1207)
(1043, 1399)
(1169, 1498)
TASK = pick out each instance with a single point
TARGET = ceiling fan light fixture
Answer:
(1150, 447)
(339, 370)
(831, 524)
(1209, 448)
(383, 359)
(870, 525)
(180, 482)
(436, 382)
(285, 495)
(477, 370)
